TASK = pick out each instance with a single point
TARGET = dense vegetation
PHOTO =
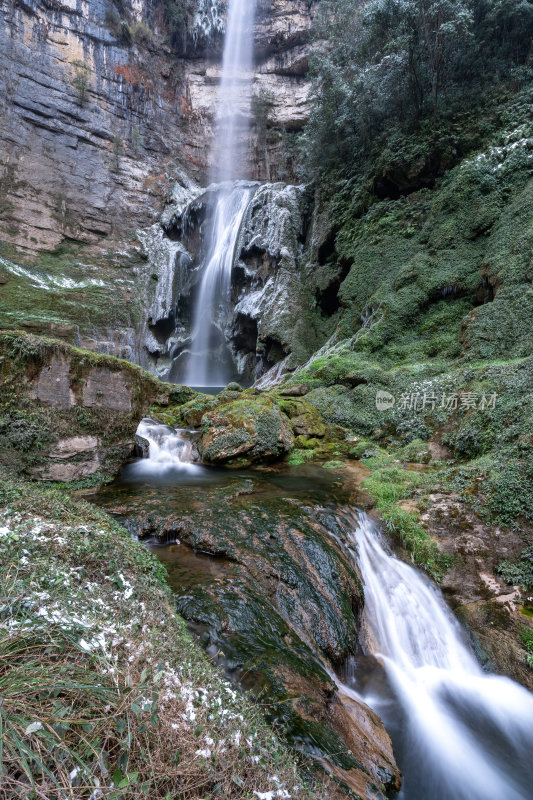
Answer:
(386, 71)
(176, 20)
(104, 693)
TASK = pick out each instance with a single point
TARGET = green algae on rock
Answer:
(251, 429)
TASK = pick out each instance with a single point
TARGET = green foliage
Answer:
(391, 484)
(137, 142)
(126, 32)
(299, 456)
(23, 431)
(424, 551)
(82, 71)
(118, 152)
(82, 668)
(142, 35)
(509, 491)
(393, 66)
(519, 573)
(526, 637)
(334, 464)
(178, 17)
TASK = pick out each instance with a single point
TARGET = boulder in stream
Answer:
(245, 431)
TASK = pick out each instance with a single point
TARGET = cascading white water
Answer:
(465, 734)
(168, 450)
(205, 367)
(232, 200)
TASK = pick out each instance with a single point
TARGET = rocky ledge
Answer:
(262, 577)
(68, 414)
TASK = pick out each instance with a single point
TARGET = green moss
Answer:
(191, 412)
(303, 442)
(298, 457)
(67, 292)
(360, 449)
(423, 550)
(333, 465)
(389, 485)
(29, 428)
(253, 421)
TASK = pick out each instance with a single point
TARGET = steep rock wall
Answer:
(92, 163)
(279, 308)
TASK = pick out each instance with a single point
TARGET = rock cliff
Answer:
(69, 415)
(92, 127)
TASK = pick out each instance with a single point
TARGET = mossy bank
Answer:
(141, 711)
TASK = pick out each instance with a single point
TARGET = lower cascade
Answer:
(168, 449)
(463, 734)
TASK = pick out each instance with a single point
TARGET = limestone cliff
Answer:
(93, 129)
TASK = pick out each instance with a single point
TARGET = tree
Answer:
(80, 82)
(382, 67)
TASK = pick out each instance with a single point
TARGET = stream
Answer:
(459, 733)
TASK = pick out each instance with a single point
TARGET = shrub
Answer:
(82, 71)
(518, 573)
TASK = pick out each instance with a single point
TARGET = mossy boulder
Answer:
(309, 424)
(250, 430)
(191, 413)
(305, 418)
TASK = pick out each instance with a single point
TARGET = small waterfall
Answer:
(205, 366)
(464, 734)
(169, 450)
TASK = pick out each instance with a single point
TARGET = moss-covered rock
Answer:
(191, 412)
(274, 598)
(68, 414)
(251, 430)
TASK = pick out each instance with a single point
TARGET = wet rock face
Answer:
(273, 315)
(488, 606)
(275, 600)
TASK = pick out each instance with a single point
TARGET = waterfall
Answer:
(464, 734)
(169, 450)
(205, 364)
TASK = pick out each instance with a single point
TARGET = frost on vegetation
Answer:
(184, 192)
(60, 577)
(208, 19)
(43, 280)
(516, 151)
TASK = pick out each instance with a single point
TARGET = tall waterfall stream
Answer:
(231, 200)
(459, 732)
(203, 369)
